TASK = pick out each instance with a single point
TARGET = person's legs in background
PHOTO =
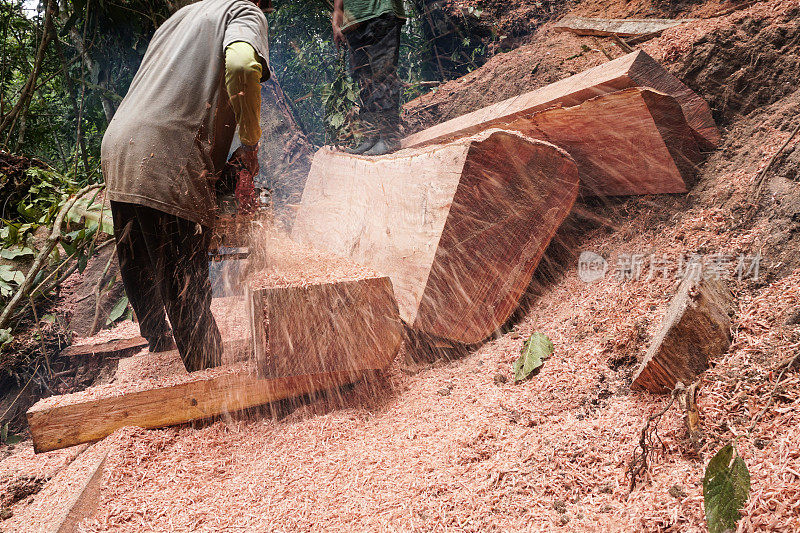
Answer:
(374, 54)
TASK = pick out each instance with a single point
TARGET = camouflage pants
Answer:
(374, 52)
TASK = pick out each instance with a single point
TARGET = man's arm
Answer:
(336, 22)
(243, 82)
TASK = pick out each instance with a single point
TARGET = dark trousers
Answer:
(163, 260)
(374, 52)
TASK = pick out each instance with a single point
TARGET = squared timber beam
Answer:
(636, 69)
(88, 416)
(313, 313)
(459, 228)
(634, 141)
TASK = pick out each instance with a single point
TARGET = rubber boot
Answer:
(382, 147)
(368, 142)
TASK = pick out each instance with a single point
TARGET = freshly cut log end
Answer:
(695, 331)
(634, 141)
(647, 72)
(512, 197)
(314, 313)
(338, 326)
(458, 228)
(636, 69)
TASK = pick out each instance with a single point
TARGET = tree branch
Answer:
(38, 264)
(27, 91)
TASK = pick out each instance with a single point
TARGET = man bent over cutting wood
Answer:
(162, 154)
(371, 29)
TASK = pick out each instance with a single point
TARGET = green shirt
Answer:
(356, 11)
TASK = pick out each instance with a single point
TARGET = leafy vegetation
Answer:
(726, 487)
(314, 74)
(535, 350)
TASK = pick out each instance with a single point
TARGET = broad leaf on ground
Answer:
(9, 278)
(118, 310)
(5, 337)
(16, 252)
(535, 350)
(726, 487)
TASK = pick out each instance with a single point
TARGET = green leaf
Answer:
(18, 251)
(4, 432)
(5, 337)
(118, 310)
(535, 350)
(336, 120)
(10, 275)
(726, 487)
(69, 248)
(83, 259)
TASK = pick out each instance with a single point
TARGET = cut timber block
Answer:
(87, 416)
(620, 27)
(458, 228)
(341, 325)
(316, 313)
(634, 141)
(695, 330)
(636, 69)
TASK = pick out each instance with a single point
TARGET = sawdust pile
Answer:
(276, 261)
(551, 452)
(453, 446)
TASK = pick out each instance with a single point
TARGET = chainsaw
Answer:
(230, 238)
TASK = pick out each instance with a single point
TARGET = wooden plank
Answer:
(67, 499)
(634, 141)
(88, 416)
(636, 69)
(696, 330)
(324, 327)
(86, 499)
(117, 347)
(620, 27)
(458, 228)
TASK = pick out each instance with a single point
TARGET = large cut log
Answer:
(458, 228)
(634, 141)
(87, 416)
(695, 330)
(619, 27)
(314, 312)
(636, 69)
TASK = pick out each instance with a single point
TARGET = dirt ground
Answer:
(454, 445)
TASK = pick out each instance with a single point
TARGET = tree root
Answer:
(648, 441)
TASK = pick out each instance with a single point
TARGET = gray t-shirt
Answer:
(170, 137)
